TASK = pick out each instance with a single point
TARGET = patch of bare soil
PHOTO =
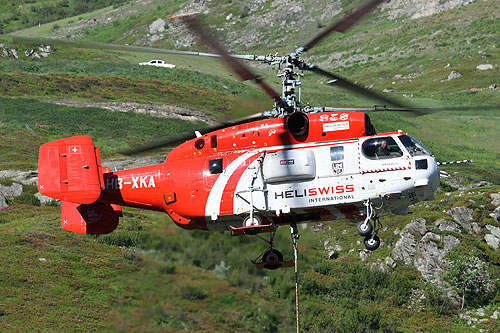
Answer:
(152, 109)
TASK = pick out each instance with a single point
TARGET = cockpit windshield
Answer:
(414, 147)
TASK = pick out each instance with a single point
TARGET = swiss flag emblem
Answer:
(75, 149)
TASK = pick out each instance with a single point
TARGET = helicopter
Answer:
(293, 164)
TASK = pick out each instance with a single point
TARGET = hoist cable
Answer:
(295, 236)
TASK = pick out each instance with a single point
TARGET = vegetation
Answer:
(112, 131)
(468, 274)
(26, 13)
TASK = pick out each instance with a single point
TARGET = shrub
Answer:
(26, 198)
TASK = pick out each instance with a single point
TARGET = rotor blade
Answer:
(418, 110)
(166, 141)
(128, 48)
(344, 24)
(346, 84)
(237, 67)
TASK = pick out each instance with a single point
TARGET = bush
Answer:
(193, 292)
(26, 198)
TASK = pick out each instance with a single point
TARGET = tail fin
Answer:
(96, 218)
(69, 170)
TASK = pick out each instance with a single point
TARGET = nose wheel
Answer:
(372, 242)
(365, 228)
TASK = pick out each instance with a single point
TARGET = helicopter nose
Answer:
(427, 177)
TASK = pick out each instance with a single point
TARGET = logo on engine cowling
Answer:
(287, 162)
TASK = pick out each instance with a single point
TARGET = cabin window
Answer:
(215, 166)
(337, 153)
(381, 148)
(213, 141)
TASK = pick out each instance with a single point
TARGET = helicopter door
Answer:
(381, 154)
(337, 160)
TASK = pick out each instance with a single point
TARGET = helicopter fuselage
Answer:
(260, 170)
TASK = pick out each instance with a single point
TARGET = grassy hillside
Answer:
(151, 275)
(27, 13)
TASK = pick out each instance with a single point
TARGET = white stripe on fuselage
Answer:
(212, 207)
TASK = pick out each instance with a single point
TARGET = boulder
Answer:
(13, 190)
(496, 214)
(157, 26)
(484, 67)
(46, 200)
(495, 197)
(3, 202)
(495, 231)
(390, 262)
(463, 216)
(492, 241)
(445, 225)
(454, 75)
(23, 177)
(13, 52)
(5, 50)
(424, 249)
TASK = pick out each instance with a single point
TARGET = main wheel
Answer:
(364, 229)
(270, 256)
(372, 243)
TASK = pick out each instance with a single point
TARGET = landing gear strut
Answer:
(365, 228)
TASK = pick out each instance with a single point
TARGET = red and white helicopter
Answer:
(294, 164)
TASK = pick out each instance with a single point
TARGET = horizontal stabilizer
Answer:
(69, 170)
(96, 218)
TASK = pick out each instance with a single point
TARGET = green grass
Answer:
(52, 280)
(147, 275)
(22, 14)
(111, 131)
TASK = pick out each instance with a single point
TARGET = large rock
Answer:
(445, 225)
(454, 75)
(3, 202)
(463, 216)
(496, 214)
(5, 50)
(429, 257)
(406, 247)
(495, 231)
(157, 26)
(420, 8)
(492, 241)
(424, 249)
(13, 190)
(495, 197)
(23, 177)
(484, 67)
(47, 200)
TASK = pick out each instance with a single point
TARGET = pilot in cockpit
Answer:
(382, 150)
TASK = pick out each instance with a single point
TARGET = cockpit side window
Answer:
(381, 148)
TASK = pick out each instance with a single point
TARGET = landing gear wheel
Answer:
(272, 255)
(252, 222)
(364, 228)
(372, 243)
